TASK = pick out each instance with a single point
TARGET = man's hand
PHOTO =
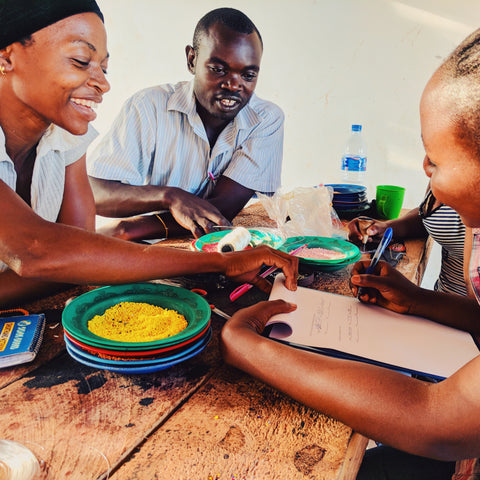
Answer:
(193, 213)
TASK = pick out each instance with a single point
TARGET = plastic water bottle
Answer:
(354, 160)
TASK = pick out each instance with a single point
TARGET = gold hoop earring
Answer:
(2, 70)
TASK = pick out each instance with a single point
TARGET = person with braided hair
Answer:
(433, 428)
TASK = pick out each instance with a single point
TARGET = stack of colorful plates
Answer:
(332, 254)
(136, 357)
(349, 199)
(208, 243)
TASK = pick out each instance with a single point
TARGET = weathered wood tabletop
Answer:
(198, 420)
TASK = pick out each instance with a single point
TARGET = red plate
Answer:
(129, 353)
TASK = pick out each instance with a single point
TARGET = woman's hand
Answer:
(245, 266)
(241, 335)
(386, 287)
(256, 317)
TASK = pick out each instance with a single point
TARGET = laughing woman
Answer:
(53, 63)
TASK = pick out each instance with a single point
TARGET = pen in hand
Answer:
(387, 236)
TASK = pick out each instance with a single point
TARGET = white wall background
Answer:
(327, 63)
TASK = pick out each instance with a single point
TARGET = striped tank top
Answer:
(444, 225)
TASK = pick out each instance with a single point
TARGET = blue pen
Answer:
(387, 236)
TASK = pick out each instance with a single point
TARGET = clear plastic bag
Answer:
(304, 211)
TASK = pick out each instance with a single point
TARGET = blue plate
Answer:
(349, 209)
(136, 369)
(348, 202)
(349, 198)
(153, 361)
(345, 188)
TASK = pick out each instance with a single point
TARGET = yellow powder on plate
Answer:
(137, 322)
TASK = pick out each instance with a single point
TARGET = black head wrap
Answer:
(21, 18)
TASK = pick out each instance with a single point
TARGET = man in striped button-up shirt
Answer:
(192, 153)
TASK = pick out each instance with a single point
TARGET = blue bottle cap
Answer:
(356, 128)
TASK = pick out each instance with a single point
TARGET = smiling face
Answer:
(452, 163)
(59, 76)
(226, 67)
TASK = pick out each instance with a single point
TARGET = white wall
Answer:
(327, 63)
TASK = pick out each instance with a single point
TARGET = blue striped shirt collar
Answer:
(3, 151)
(55, 138)
(59, 140)
(183, 100)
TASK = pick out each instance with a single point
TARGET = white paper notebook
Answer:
(342, 326)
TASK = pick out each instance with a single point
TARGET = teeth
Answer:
(86, 103)
(228, 103)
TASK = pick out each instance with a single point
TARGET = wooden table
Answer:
(198, 420)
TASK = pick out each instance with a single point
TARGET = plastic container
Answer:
(354, 159)
(17, 462)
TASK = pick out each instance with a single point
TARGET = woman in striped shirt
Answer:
(433, 420)
(441, 223)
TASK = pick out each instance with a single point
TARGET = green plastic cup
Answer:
(389, 201)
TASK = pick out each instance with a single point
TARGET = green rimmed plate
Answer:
(338, 266)
(77, 313)
(207, 243)
(352, 252)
